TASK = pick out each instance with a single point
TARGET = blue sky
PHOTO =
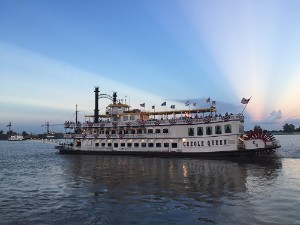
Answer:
(53, 53)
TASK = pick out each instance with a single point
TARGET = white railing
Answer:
(152, 122)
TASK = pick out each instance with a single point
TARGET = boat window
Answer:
(150, 131)
(125, 118)
(129, 144)
(166, 145)
(202, 143)
(151, 145)
(122, 144)
(199, 131)
(97, 144)
(218, 129)
(225, 142)
(113, 132)
(174, 145)
(241, 129)
(227, 128)
(208, 130)
(107, 132)
(143, 144)
(165, 131)
(221, 142)
(213, 142)
(139, 131)
(136, 144)
(157, 131)
(217, 142)
(108, 144)
(158, 145)
(191, 131)
(208, 143)
(125, 131)
(133, 131)
(102, 144)
(116, 145)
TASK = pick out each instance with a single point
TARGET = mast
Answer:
(76, 115)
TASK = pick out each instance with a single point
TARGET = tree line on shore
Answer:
(5, 136)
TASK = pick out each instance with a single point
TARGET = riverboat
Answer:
(16, 138)
(187, 133)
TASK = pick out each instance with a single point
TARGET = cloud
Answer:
(274, 116)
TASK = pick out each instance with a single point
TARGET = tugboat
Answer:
(187, 133)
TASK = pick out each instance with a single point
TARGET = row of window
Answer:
(134, 131)
(137, 145)
(209, 130)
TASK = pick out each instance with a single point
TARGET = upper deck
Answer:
(106, 123)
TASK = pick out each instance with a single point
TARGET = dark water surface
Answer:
(39, 186)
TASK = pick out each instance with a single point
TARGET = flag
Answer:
(164, 104)
(153, 107)
(195, 104)
(172, 106)
(245, 101)
(208, 100)
(187, 103)
(142, 105)
(213, 102)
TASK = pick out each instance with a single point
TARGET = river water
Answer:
(40, 186)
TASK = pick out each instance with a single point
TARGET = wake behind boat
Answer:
(194, 132)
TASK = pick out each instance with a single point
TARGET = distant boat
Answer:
(187, 133)
(16, 138)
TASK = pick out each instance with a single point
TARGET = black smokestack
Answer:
(96, 111)
(114, 97)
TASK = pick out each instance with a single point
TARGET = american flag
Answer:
(245, 101)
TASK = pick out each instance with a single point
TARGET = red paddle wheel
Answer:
(264, 135)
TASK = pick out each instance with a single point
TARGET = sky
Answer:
(53, 54)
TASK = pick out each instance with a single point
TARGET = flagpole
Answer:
(246, 105)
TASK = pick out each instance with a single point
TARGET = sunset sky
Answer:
(53, 54)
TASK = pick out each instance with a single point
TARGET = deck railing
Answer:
(153, 122)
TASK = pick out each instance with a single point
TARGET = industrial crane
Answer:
(47, 125)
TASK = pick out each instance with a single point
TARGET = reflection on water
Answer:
(213, 177)
(39, 186)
